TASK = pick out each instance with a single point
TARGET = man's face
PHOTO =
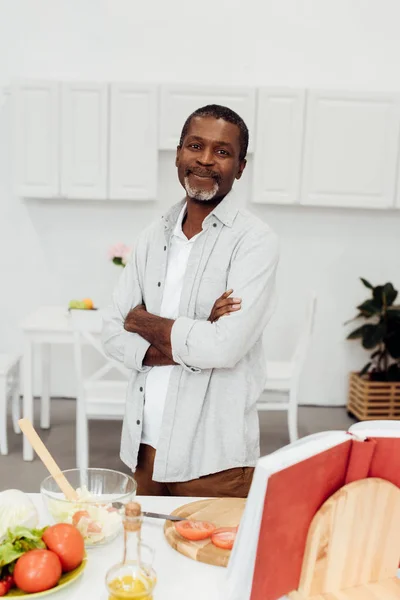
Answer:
(208, 160)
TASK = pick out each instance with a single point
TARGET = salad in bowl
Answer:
(94, 513)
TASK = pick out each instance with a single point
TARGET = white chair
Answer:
(9, 390)
(283, 377)
(98, 397)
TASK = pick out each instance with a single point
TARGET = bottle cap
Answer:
(133, 509)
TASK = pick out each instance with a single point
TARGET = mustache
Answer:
(203, 173)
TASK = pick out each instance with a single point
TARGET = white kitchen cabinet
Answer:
(36, 138)
(351, 147)
(278, 146)
(133, 161)
(178, 101)
(84, 147)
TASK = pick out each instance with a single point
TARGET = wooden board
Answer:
(223, 512)
(353, 545)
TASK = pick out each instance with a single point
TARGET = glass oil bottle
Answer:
(134, 578)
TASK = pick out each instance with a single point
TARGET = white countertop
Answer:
(178, 577)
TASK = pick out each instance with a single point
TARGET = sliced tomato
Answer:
(195, 530)
(79, 515)
(224, 537)
(83, 515)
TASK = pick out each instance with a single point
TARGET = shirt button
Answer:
(214, 224)
(165, 247)
(141, 389)
(159, 284)
(138, 422)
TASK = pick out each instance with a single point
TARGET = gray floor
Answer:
(105, 436)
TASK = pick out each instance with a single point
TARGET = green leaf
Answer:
(390, 293)
(117, 260)
(353, 319)
(358, 333)
(392, 342)
(369, 308)
(373, 335)
(394, 313)
(18, 541)
(365, 369)
(367, 283)
(378, 296)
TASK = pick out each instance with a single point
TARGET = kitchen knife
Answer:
(152, 515)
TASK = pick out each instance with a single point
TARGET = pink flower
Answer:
(119, 253)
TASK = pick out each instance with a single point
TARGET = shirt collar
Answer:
(178, 231)
(225, 212)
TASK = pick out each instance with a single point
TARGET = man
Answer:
(191, 424)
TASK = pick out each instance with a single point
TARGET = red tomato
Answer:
(37, 570)
(67, 542)
(224, 537)
(194, 530)
(3, 588)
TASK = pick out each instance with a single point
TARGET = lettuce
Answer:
(18, 540)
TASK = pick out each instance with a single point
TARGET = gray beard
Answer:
(201, 195)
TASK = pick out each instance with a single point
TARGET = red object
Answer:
(78, 516)
(37, 571)
(224, 537)
(195, 530)
(3, 588)
(296, 493)
(67, 542)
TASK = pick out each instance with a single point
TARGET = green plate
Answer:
(66, 579)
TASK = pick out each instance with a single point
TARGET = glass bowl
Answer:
(93, 513)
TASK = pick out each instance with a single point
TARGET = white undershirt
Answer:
(158, 377)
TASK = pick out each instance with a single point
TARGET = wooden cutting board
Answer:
(223, 512)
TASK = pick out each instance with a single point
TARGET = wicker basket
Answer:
(373, 399)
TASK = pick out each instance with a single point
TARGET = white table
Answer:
(178, 577)
(47, 325)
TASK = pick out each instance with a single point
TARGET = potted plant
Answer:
(374, 392)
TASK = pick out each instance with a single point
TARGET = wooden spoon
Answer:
(48, 461)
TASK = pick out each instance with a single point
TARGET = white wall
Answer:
(52, 251)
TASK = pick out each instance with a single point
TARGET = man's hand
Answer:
(156, 330)
(224, 306)
(155, 358)
(131, 317)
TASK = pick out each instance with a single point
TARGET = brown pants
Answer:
(233, 482)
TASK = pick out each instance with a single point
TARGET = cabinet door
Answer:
(178, 101)
(36, 139)
(84, 140)
(133, 142)
(351, 146)
(278, 146)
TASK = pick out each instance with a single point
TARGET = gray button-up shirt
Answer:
(210, 421)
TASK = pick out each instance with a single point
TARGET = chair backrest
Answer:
(300, 353)
(86, 326)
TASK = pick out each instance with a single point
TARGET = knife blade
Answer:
(161, 516)
(152, 515)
